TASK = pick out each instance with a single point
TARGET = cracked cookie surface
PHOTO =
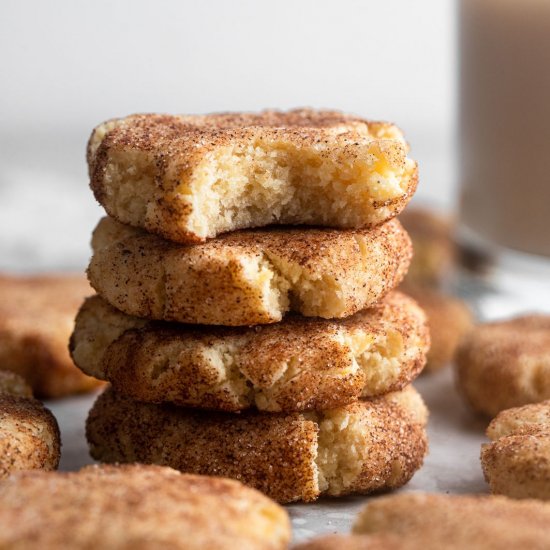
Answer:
(247, 277)
(298, 364)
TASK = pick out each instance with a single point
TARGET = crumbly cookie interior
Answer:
(345, 441)
(263, 182)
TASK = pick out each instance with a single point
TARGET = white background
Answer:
(67, 65)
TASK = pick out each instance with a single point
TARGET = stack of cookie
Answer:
(235, 346)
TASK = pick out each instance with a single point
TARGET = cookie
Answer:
(29, 435)
(249, 277)
(449, 319)
(188, 178)
(517, 462)
(434, 247)
(360, 542)
(13, 384)
(138, 507)
(298, 364)
(456, 522)
(520, 420)
(36, 319)
(360, 448)
(505, 364)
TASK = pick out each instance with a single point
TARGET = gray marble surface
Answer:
(452, 465)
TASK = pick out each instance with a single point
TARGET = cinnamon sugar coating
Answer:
(136, 507)
(366, 446)
(297, 364)
(36, 318)
(456, 522)
(247, 277)
(505, 364)
(29, 435)
(517, 462)
(187, 178)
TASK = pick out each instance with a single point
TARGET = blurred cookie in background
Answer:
(505, 364)
(517, 462)
(449, 320)
(434, 260)
(424, 521)
(29, 434)
(434, 248)
(456, 522)
(36, 320)
(138, 507)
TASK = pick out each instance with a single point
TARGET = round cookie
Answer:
(136, 507)
(449, 320)
(456, 522)
(517, 462)
(36, 318)
(188, 178)
(297, 364)
(29, 435)
(505, 364)
(360, 448)
(247, 277)
(433, 244)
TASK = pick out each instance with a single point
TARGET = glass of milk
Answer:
(505, 147)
